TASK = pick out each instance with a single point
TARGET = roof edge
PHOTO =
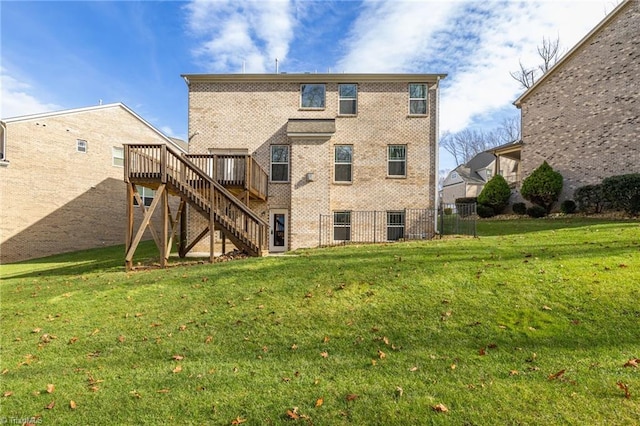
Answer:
(573, 50)
(312, 77)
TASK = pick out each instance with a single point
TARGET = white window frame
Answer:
(353, 99)
(114, 151)
(147, 195)
(82, 146)
(392, 225)
(273, 163)
(395, 160)
(337, 163)
(313, 107)
(342, 225)
(422, 99)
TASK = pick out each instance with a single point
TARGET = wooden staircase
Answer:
(169, 173)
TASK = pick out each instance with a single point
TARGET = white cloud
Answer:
(17, 99)
(240, 36)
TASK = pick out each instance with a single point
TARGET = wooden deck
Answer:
(169, 173)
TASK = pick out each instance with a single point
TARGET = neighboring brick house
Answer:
(583, 115)
(332, 145)
(61, 179)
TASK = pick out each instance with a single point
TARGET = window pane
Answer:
(397, 152)
(280, 154)
(397, 168)
(418, 107)
(342, 218)
(312, 96)
(342, 233)
(279, 172)
(342, 226)
(348, 91)
(395, 225)
(417, 91)
(343, 173)
(343, 153)
(347, 107)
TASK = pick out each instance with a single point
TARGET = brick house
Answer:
(583, 115)
(333, 146)
(61, 186)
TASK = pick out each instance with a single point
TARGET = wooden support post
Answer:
(131, 188)
(212, 224)
(145, 222)
(164, 250)
(183, 230)
(224, 243)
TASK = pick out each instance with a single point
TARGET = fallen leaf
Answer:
(399, 391)
(138, 314)
(183, 327)
(177, 369)
(482, 352)
(209, 339)
(381, 354)
(73, 405)
(440, 408)
(51, 405)
(413, 369)
(50, 388)
(292, 414)
(324, 354)
(73, 340)
(238, 420)
(319, 402)
(96, 331)
(546, 308)
(385, 340)
(121, 339)
(632, 362)
(351, 397)
(492, 346)
(163, 391)
(7, 393)
(178, 357)
(36, 330)
(286, 379)
(5, 371)
(625, 388)
(453, 366)
(556, 375)
(326, 339)
(136, 394)
(513, 373)
(294, 347)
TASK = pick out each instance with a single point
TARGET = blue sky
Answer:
(60, 55)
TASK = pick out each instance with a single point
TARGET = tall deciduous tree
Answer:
(549, 53)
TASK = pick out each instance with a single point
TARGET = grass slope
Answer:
(531, 324)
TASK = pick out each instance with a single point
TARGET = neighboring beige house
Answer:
(61, 179)
(583, 115)
(467, 180)
(331, 146)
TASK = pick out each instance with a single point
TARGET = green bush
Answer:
(623, 192)
(519, 208)
(485, 211)
(590, 198)
(542, 187)
(448, 211)
(495, 194)
(568, 207)
(536, 211)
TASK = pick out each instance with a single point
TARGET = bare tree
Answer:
(466, 144)
(549, 52)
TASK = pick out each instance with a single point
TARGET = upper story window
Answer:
(279, 163)
(117, 156)
(348, 94)
(81, 145)
(312, 96)
(343, 159)
(417, 99)
(397, 160)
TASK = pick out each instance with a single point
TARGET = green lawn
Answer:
(531, 323)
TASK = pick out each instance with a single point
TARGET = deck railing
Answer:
(234, 171)
(158, 163)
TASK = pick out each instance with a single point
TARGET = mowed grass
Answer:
(531, 323)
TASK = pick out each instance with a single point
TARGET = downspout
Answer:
(3, 144)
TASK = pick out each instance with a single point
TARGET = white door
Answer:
(278, 230)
